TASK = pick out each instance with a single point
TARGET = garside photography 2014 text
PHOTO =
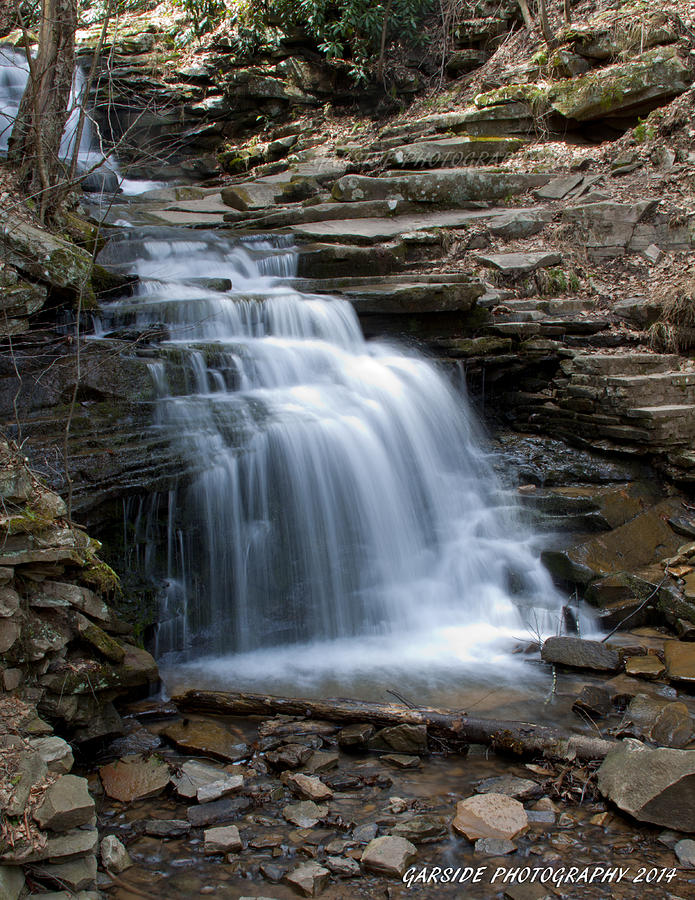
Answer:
(537, 874)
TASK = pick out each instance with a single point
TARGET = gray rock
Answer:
(408, 739)
(451, 152)
(217, 789)
(343, 866)
(309, 787)
(685, 851)
(171, 828)
(388, 855)
(11, 882)
(55, 752)
(308, 878)
(222, 840)
(193, 775)
(578, 653)
(363, 834)
(518, 788)
(559, 187)
(9, 602)
(305, 814)
(653, 785)
(322, 761)
(355, 735)
(66, 804)
(594, 700)
(31, 770)
(401, 761)
(494, 846)
(217, 812)
(114, 856)
(290, 756)
(422, 829)
(77, 875)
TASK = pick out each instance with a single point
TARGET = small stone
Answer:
(114, 855)
(494, 846)
(55, 752)
(355, 736)
(206, 738)
(407, 739)
(217, 812)
(400, 761)
(305, 814)
(343, 866)
(290, 756)
(388, 855)
(363, 834)
(193, 775)
(273, 872)
(222, 840)
(322, 761)
(11, 679)
(76, 875)
(685, 851)
(653, 254)
(309, 878)
(540, 816)
(216, 789)
(135, 778)
(65, 805)
(593, 701)
(170, 828)
(490, 815)
(518, 788)
(649, 667)
(309, 787)
(422, 829)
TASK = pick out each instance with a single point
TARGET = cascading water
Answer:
(338, 493)
(100, 173)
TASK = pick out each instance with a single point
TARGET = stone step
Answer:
(659, 389)
(664, 413)
(340, 285)
(621, 363)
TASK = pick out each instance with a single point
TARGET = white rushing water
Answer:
(340, 505)
(102, 171)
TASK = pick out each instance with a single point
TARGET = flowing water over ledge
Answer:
(342, 526)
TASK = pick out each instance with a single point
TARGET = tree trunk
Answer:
(519, 738)
(43, 112)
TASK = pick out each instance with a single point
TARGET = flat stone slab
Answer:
(207, 738)
(444, 187)
(581, 654)
(490, 816)
(409, 299)
(680, 661)
(388, 855)
(515, 264)
(135, 778)
(449, 152)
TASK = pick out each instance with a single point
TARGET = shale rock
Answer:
(135, 778)
(309, 879)
(490, 815)
(66, 804)
(580, 654)
(388, 855)
(114, 855)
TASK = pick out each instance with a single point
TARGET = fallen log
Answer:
(518, 738)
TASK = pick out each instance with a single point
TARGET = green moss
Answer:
(643, 132)
(533, 94)
(102, 577)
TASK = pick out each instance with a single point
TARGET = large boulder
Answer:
(580, 654)
(655, 786)
(621, 89)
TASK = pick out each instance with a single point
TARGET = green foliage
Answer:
(643, 131)
(342, 29)
(204, 15)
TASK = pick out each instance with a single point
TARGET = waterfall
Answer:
(101, 174)
(337, 487)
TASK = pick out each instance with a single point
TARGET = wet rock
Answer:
(217, 812)
(114, 856)
(408, 739)
(290, 756)
(309, 787)
(207, 738)
(309, 879)
(305, 814)
(206, 793)
(273, 872)
(400, 761)
(685, 851)
(193, 775)
(322, 761)
(653, 785)
(11, 882)
(578, 653)
(494, 846)
(490, 815)
(167, 828)
(135, 778)
(422, 829)
(649, 666)
(344, 782)
(100, 641)
(363, 834)
(680, 661)
(65, 805)
(222, 840)
(388, 856)
(511, 786)
(593, 701)
(55, 752)
(343, 867)
(355, 736)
